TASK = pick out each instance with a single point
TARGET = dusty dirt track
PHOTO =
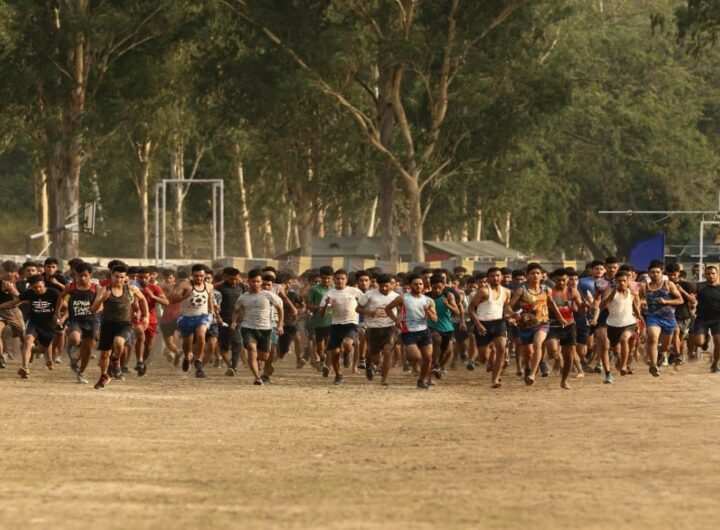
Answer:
(169, 451)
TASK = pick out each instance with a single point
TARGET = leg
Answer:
(500, 344)
(653, 334)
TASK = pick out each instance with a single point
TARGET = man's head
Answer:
(656, 270)
(416, 283)
(29, 269)
(711, 274)
(560, 277)
(268, 281)
(622, 280)
(119, 275)
(83, 273)
(255, 280)
(598, 268)
(143, 276)
(326, 276)
(494, 277)
(437, 285)
(673, 272)
(231, 276)
(362, 280)
(534, 273)
(612, 265)
(51, 266)
(340, 279)
(198, 274)
(384, 283)
(36, 283)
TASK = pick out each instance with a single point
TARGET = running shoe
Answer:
(369, 372)
(325, 370)
(125, 370)
(654, 370)
(216, 363)
(346, 359)
(57, 359)
(437, 373)
(185, 364)
(608, 379)
(422, 385)
(2, 361)
(544, 369)
(200, 374)
(361, 364)
(463, 355)
(74, 366)
(338, 379)
(102, 382)
(230, 372)
(265, 378)
(176, 359)
(300, 363)
(258, 382)
(80, 377)
(597, 369)
(141, 369)
(664, 360)
(470, 365)
(24, 372)
(714, 368)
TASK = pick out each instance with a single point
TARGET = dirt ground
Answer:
(169, 451)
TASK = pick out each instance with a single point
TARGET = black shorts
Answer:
(168, 329)
(260, 337)
(614, 333)
(43, 336)
(88, 328)
(378, 338)
(418, 338)
(494, 329)
(602, 319)
(229, 338)
(322, 333)
(566, 336)
(111, 329)
(340, 332)
(285, 340)
(212, 331)
(460, 334)
(446, 338)
(582, 334)
(701, 327)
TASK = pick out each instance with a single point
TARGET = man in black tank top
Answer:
(229, 340)
(74, 310)
(708, 314)
(116, 302)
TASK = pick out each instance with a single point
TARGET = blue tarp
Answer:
(647, 250)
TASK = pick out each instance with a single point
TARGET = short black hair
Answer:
(254, 274)
(412, 277)
(51, 261)
(35, 278)
(270, 269)
(562, 271)
(505, 270)
(143, 270)
(198, 267)
(594, 263)
(672, 267)
(533, 266)
(340, 272)
(384, 278)
(611, 259)
(268, 277)
(436, 279)
(656, 264)
(83, 267)
(133, 270)
(361, 273)
(493, 269)
(119, 268)
(326, 270)
(517, 273)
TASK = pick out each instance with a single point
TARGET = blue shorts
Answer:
(527, 336)
(667, 325)
(188, 325)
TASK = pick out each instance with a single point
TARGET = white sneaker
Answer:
(664, 360)
(81, 378)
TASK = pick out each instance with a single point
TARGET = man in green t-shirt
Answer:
(321, 323)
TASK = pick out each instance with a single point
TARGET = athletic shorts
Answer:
(602, 319)
(168, 329)
(566, 336)
(418, 338)
(494, 329)
(43, 336)
(378, 338)
(460, 334)
(701, 327)
(445, 338)
(527, 336)
(322, 333)
(614, 333)
(152, 329)
(259, 337)
(274, 337)
(340, 332)
(667, 325)
(14, 319)
(513, 332)
(187, 325)
(285, 340)
(582, 334)
(229, 338)
(88, 328)
(212, 331)
(111, 329)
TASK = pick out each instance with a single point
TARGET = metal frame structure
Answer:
(218, 217)
(701, 263)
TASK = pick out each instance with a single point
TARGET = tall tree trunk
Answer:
(244, 212)
(389, 250)
(465, 227)
(319, 218)
(507, 229)
(177, 172)
(268, 240)
(370, 232)
(415, 227)
(143, 153)
(478, 225)
(42, 204)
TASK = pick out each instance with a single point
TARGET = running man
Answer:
(320, 322)
(487, 310)
(344, 322)
(708, 314)
(74, 311)
(229, 340)
(380, 333)
(42, 325)
(442, 329)
(196, 310)
(116, 303)
(416, 310)
(563, 337)
(623, 312)
(253, 310)
(144, 338)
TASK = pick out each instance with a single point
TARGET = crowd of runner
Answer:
(606, 319)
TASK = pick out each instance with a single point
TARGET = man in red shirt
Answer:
(144, 338)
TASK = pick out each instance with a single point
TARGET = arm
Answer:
(61, 313)
(180, 293)
(449, 301)
(690, 297)
(636, 307)
(142, 302)
(577, 300)
(281, 318)
(604, 302)
(478, 299)
(284, 297)
(237, 316)
(324, 304)
(430, 313)
(514, 299)
(677, 298)
(159, 298)
(390, 310)
(555, 309)
(102, 295)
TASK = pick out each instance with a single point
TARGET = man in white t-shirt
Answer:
(254, 310)
(343, 329)
(381, 329)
